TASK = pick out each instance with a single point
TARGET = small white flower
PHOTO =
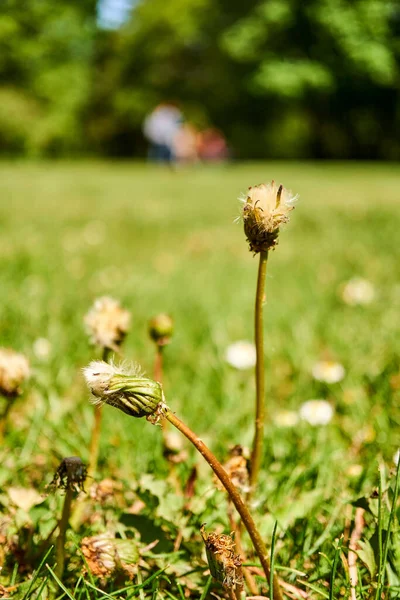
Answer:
(286, 418)
(328, 371)
(396, 457)
(358, 291)
(316, 412)
(241, 355)
(107, 323)
(42, 348)
(14, 370)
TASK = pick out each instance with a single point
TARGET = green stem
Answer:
(94, 447)
(256, 455)
(63, 525)
(4, 416)
(234, 495)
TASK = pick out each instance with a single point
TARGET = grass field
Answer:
(161, 241)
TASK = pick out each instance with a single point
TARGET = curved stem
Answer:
(256, 455)
(234, 495)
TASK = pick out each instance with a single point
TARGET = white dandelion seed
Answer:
(316, 412)
(358, 291)
(241, 355)
(328, 371)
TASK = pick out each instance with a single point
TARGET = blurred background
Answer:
(275, 78)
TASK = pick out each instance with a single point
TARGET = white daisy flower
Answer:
(316, 412)
(241, 355)
(358, 291)
(328, 371)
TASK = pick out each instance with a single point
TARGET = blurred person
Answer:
(185, 144)
(212, 146)
(160, 128)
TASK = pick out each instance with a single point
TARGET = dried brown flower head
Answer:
(106, 556)
(225, 565)
(70, 475)
(107, 323)
(266, 207)
(14, 370)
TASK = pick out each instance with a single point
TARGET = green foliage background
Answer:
(281, 78)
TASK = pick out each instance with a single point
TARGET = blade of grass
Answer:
(59, 583)
(272, 560)
(206, 588)
(36, 575)
(334, 569)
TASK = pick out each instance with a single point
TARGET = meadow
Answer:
(163, 241)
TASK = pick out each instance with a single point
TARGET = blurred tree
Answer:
(281, 78)
(45, 50)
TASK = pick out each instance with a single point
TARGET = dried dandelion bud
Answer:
(105, 555)
(265, 209)
(14, 370)
(132, 393)
(225, 565)
(237, 469)
(161, 329)
(70, 475)
(107, 323)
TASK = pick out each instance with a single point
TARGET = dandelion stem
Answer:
(256, 455)
(96, 429)
(234, 495)
(158, 364)
(62, 527)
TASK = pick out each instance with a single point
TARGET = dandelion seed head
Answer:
(107, 323)
(328, 371)
(14, 370)
(241, 355)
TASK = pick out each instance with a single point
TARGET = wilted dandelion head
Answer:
(358, 291)
(225, 565)
(328, 371)
(70, 475)
(14, 370)
(123, 387)
(241, 355)
(107, 323)
(316, 412)
(105, 555)
(266, 207)
(237, 468)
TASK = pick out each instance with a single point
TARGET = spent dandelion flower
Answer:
(265, 208)
(357, 291)
(70, 476)
(316, 412)
(225, 565)
(107, 323)
(237, 467)
(241, 355)
(127, 390)
(328, 371)
(106, 555)
(14, 371)
(161, 328)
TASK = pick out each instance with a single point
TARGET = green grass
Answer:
(166, 242)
